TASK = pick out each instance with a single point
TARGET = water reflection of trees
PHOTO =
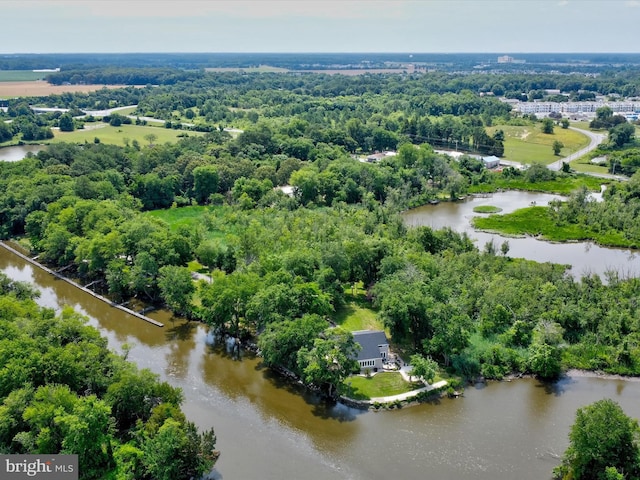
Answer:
(180, 337)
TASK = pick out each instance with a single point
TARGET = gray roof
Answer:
(370, 341)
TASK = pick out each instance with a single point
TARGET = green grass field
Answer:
(527, 144)
(357, 312)
(379, 385)
(354, 316)
(181, 217)
(126, 111)
(584, 165)
(192, 217)
(118, 135)
(20, 75)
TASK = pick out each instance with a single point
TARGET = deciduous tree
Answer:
(601, 439)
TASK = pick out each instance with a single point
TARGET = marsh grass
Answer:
(536, 221)
(486, 209)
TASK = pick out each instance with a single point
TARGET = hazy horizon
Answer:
(314, 26)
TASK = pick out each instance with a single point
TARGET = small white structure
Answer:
(374, 351)
(376, 157)
(491, 162)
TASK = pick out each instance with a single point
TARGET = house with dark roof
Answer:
(374, 351)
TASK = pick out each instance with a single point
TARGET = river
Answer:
(268, 429)
(584, 257)
(18, 152)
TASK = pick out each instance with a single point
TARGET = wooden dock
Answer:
(84, 289)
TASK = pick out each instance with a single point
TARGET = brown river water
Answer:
(268, 429)
(584, 257)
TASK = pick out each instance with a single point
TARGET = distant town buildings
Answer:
(508, 59)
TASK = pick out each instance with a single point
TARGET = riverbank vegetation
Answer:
(282, 267)
(612, 222)
(62, 390)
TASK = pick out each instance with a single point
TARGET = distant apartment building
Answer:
(508, 59)
(575, 107)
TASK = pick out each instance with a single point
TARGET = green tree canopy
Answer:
(601, 439)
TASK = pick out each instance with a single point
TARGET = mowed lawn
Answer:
(353, 316)
(383, 384)
(357, 313)
(118, 135)
(527, 144)
(584, 165)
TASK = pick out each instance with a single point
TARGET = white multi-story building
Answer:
(575, 107)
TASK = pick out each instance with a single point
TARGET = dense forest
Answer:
(280, 263)
(62, 390)
(452, 62)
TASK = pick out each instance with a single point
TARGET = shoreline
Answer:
(80, 287)
(575, 372)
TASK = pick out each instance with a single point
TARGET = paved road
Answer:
(595, 139)
(106, 113)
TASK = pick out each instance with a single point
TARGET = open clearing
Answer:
(40, 88)
(117, 135)
(20, 75)
(527, 144)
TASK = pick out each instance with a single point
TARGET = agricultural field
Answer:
(527, 144)
(258, 69)
(20, 75)
(120, 135)
(40, 88)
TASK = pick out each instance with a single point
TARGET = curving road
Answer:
(595, 139)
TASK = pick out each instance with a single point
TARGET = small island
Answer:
(486, 209)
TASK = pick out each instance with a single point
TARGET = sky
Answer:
(430, 26)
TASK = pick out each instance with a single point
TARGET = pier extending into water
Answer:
(84, 289)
